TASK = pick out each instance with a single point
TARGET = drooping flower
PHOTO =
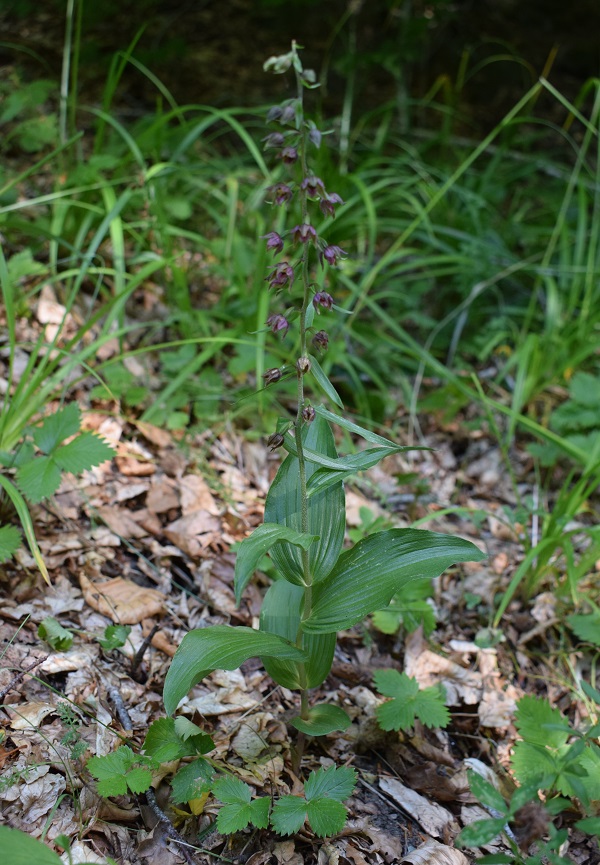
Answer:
(275, 441)
(281, 275)
(332, 254)
(321, 340)
(303, 365)
(274, 241)
(282, 193)
(289, 155)
(278, 324)
(272, 375)
(308, 414)
(303, 233)
(328, 203)
(274, 139)
(322, 298)
(313, 186)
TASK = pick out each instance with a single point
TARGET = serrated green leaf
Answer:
(57, 427)
(191, 781)
(18, 848)
(232, 791)
(586, 627)
(486, 793)
(38, 479)
(83, 453)
(139, 780)
(409, 702)
(50, 630)
(324, 383)
(115, 636)
(591, 825)
(366, 577)
(220, 647)
(114, 786)
(189, 732)
(322, 719)
(480, 832)
(164, 740)
(531, 716)
(326, 511)
(280, 614)
(10, 541)
(253, 548)
(534, 763)
(234, 818)
(326, 817)
(336, 782)
(288, 815)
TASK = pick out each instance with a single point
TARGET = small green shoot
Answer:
(122, 771)
(409, 702)
(321, 804)
(53, 633)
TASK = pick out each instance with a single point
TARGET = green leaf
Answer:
(480, 832)
(192, 781)
(38, 479)
(115, 636)
(220, 647)
(324, 383)
(139, 780)
(234, 818)
(22, 510)
(53, 633)
(253, 548)
(586, 627)
(165, 740)
(326, 511)
(280, 614)
(288, 815)
(21, 849)
(532, 715)
(336, 782)
(534, 763)
(118, 771)
(83, 453)
(232, 791)
(57, 427)
(366, 577)
(409, 702)
(358, 430)
(591, 825)
(322, 719)
(486, 793)
(590, 692)
(326, 817)
(10, 541)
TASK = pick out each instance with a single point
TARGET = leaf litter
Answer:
(145, 541)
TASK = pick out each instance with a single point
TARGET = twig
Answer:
(16, 679)
(168, 828)
(137, 658)
(120, 708)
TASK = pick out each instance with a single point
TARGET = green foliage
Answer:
(115, 636)
(321, 804)
(409, 702)
(21, 849)
(322, 719)
(170, 739)
(53, 633)
(192, 781)
(409, 607)
(239, 809)
(121, 771)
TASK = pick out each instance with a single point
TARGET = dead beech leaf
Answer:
(160, 640)
(162, 496)
(133, 467)
(154, 434)
(434, 819)
(196, 496)
(121, 522)
(194, 532)
(434, 853)
(29, 715)
(429, 668)
(122, 600)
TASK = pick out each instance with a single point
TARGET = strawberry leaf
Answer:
(409, 702)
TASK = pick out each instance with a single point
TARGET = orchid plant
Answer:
(319, 588)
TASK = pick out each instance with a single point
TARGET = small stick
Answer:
(168, 828)
(137, 658)
(17, 678)
(120, 709)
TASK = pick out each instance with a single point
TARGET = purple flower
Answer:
(313, 186)
(303, 233)
(308, 414)
(323, 299)
(281, 275)
(289, 155)
(278, 323)
(274, 241)
(282, 193)
(328, 203)
(332, 254)
(275, 139)
(272, 375)
(321, 340)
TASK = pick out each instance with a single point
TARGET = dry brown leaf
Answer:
(434, 853)
(26, 716)
(193, 533)
(162, 495)
(158, 436)
(285, 853)
(122, 600)
(133, 467)
(434, 819)
(121, 522)
(196, 496)
(429, 668)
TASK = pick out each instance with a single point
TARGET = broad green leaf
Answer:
(534, 763)
(486, 793)
(366, 577)
(326, 511)
(586, 627)
(280, 614)
(409, 702)
(50, 630)
(336, 782)
(591, 825)
(323, 382)
(57, 427)
(322, 719)
(83, 453)
(254, 547)
(164, 740)
(531, 716)
(190, 731)
(326, 817)
(352, 463)
(480, 832)
(18, 848)
(590, 692)
(220, 647)
(139, 779)
(120, 771)
(38, 479)
(192, 781)
(10, 541)
(234, 818)
(358, 430)
(288, 815)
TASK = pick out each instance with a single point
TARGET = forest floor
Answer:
(145, 540)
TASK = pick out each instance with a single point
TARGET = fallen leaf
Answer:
(434, 819)
(122, 600)
(29, 715)
(434, 853)
(196, 496)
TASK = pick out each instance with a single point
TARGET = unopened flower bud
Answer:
(303, 365)
(281, 192)
(332, 254)
(308, 414)
(281, 276)
(272, 375)
(274, 139)
(274, 441)
(321, 340)
(328, 203)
